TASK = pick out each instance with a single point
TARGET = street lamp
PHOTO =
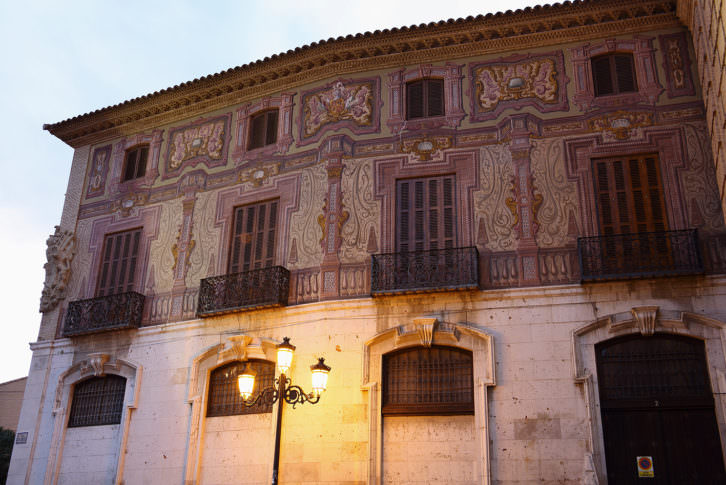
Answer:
(282, 390)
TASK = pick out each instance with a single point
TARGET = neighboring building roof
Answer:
(436, 41)
(11, 400)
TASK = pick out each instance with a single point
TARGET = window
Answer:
(135, 163)
(426, 214)
(253, 239)
(613, 74)
(118, 263)
(425, 381)
(424, 98)
(629, 195)
(97, 401)
(224, 398)
(263, 129)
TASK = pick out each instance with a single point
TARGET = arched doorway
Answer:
(656, 401)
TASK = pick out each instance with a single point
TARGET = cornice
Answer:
(435, 42)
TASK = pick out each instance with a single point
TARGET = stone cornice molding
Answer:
(454, 39)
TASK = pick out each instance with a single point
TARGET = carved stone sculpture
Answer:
(60, 253)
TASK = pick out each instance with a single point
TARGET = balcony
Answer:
(260, 288)
(425, 271)
(643, 255)
(112, 312)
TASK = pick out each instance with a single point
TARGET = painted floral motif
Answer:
(99, 169)
(340, 102)
(621, 125)
(534, 78)
(203, 140)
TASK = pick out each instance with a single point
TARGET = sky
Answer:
(63, 59)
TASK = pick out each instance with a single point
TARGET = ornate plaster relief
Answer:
(360, 233)
(304, 228)
(204, 141)
(495, 221)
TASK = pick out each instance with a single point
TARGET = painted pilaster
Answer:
(525, 202)
(334, 215)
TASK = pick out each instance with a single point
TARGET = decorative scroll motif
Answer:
(126, 204)
(495, 172)
(160, 306)
(112, 312)
(345, 102)
(518, 81)
(425, 328)
(303, 226)
(204, 141)
(677, 64)
(425, 147)
(201, 261)
(433, 270)
(618, 256)
(258, 176)
(99, 171)
(95, 363)
(261, 288)
(645, 316)
(305, 286)
(558, 266)
(164, 259)
(621, 125)
(365, 214)
(699, 181)
(559, 199)
(60, 252)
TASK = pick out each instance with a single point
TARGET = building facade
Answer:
(504, 234)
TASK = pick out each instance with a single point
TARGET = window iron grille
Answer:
(97, 401)
(422, 381)
(224, 397)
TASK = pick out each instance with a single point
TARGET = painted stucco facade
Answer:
(522, 159)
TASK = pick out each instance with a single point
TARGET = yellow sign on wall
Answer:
(645, 467)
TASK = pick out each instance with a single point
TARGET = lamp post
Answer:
(282, 390)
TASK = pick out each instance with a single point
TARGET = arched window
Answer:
(425, 381)
(224, 398)
(97, 401)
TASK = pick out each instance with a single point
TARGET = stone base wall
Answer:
(536, 414)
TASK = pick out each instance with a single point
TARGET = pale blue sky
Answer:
(62, 59)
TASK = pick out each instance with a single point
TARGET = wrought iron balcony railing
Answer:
(266, 287)
(421, 271)
(111, 312)
(641, 255)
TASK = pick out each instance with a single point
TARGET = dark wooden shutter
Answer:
(263, 129)
(271, 127)
(630, 195)
(624, 73)
(118, 263)
(415, 100)
(435, 97)
(253, 242)
(135, 163)
(424, 98)
(426, 214)
(602, 77)
(613, 74)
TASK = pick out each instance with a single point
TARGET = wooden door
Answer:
(656, 401)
